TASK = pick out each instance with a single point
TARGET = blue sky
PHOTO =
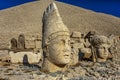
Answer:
(106, 6)
(10, 3)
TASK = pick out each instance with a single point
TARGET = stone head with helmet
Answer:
(56, 40)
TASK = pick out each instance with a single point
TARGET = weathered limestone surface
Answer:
(85, 52)
(53, 24)
(60, 53)
(76, 34)
(29, 41)
(38, 44)
(13, 44)
(21, 42)
(92, 46)
(56, 41)
(25, 57)
(101, 44)
(33, 41)
(4, 56)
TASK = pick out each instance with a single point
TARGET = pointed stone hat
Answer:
(53, 25)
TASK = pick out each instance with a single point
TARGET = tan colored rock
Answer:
(114, 39)
(56, 41)
(29, 42)
(38, 44)
(21, 42)
(38, 41)
(25, 57)
(13, 44)
(33, 41)
(53, 24)
(76, 34)
(27, 18)
(87, 43)
(75, 56)
(101, 44)
(4, 56)
(85, 52)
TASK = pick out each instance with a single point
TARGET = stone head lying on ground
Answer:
(101, 45)
(57, 50)
(56, 41)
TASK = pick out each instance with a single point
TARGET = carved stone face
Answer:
(59, 50)
(103, 51)
(101, 43)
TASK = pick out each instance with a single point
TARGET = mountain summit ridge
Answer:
(27, 19)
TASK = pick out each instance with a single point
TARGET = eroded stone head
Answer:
(56, 40)
(102, 44)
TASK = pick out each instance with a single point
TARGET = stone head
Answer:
(56, 37)
(102, 44)
(59, 50)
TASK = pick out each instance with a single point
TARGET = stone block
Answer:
(76, 34)
(29, 44)
(38, 44)
(4, 56)
(25, 57)
(87, 52)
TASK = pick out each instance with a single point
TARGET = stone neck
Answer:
(50, 67)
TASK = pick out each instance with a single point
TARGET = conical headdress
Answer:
(52, 24)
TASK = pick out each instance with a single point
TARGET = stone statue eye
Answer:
(69, 42)
(63, 41)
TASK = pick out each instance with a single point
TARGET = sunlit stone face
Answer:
(59, 50)
(103, 51)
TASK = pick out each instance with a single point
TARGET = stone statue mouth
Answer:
(66, 55)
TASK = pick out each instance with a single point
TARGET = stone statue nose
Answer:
(66, 50)
(67, 47)
(106, 50)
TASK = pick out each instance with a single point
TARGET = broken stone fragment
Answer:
(13, 44)
(4, 56)
(29, 44)
(25, 57)
(76, 34)
(21, 42)
(85, 53)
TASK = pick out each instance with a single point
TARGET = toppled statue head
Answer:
(102, 44)
(56, 41)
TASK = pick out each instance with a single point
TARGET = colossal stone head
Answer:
(56, 40)
(102, 44)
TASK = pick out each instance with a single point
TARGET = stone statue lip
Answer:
(66, 56)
